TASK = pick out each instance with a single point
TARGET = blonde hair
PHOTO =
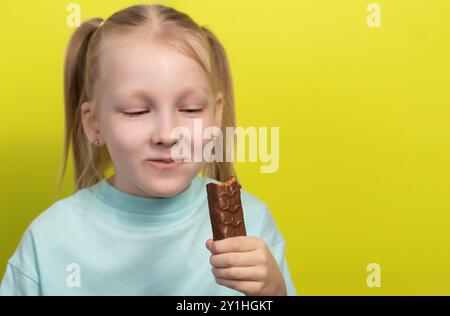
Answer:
(81, 73)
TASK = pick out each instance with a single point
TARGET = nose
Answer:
(161, 135)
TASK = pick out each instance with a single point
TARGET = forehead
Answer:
(138, 62)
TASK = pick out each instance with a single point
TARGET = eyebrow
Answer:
(146, 96)
(192, 90)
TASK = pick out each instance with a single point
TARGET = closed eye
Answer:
(191, 110)
(135, 113)
(143, 112)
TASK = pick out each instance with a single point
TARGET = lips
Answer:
(162, 160)
(163, 163)
(165, 160)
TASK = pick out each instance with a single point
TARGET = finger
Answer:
(235, 259)
(236, 244)
(239, 273)
(209, 243)
(246, 287)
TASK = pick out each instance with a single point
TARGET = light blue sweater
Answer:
(103, 241)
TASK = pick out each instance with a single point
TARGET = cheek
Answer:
(197, 128)
(122, 137)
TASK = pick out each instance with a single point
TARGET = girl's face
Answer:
(164, 89)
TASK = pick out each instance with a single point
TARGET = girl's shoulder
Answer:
(61, 212)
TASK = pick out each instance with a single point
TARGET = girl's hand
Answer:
(246, 264)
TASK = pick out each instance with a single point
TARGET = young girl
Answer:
(129, 81)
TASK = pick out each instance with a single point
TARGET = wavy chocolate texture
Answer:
(225, 209)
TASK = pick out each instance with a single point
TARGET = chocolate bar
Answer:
(225, 209)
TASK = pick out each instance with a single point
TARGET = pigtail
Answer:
(75, 94)
(222, 171)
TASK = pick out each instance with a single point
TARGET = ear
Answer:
(89, 121)
(218, 109)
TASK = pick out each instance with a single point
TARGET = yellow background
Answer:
(364, 120)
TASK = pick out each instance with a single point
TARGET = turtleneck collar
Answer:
(166, 209)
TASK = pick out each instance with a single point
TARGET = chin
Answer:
(167, 187)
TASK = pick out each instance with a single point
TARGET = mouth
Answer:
(163, 163)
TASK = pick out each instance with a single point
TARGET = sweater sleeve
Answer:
(277, 245)
(17, 283)
(278, 251)
(21, 276)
